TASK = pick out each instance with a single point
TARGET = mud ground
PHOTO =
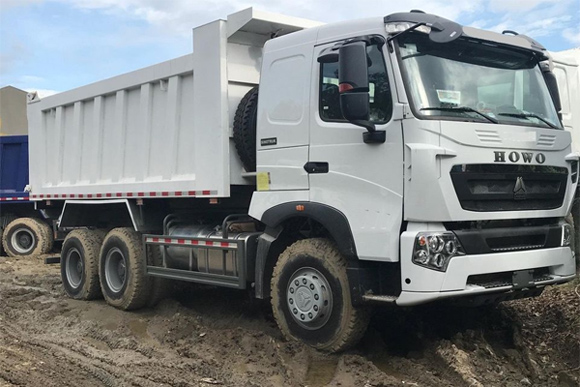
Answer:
(209, 336)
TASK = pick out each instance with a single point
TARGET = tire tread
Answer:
(136, 293)
(245, 129)
(91, 241)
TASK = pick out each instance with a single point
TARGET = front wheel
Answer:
(311, 299)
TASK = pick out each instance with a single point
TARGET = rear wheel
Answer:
(160, 288)
(79, 264)
(27, 236)
(124, 283)
(311, 299)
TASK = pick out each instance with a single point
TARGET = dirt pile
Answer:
(207, 336)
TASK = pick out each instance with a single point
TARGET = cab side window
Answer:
(381, 104)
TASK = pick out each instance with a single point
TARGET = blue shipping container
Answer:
(13, 167)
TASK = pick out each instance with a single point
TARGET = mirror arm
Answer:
(413, 27)
(368, 125)
(372, 135)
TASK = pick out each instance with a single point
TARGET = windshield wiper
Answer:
(528, 115)
(463, 109)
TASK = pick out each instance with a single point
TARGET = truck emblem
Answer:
(304, 298)
(514, 157)
(520, 189)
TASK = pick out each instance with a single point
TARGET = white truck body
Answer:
(567, 71)
(162, 131)
(401, 159)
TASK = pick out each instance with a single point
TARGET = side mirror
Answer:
(353, 79)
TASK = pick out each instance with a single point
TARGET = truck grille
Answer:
(490, 187)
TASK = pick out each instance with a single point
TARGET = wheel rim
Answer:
(74, 267)
(23, 240)
(115, 269)
(309, 298)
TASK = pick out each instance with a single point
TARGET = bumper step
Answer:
(379, 299)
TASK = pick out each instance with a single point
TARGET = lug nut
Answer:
(296, 283)
(292, 290)
(312, 286)
(302, 317)
(295, 310)
(309, 315)
(316, 296)
(304, 281)
(291, 301)
(315, 308)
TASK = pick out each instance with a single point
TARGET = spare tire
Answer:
(245, 129)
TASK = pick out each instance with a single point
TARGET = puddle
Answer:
(139, 329)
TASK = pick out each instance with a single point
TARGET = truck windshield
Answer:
(474, 81)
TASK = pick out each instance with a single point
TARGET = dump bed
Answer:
(162, 131)
(13, 168)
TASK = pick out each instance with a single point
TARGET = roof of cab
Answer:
(337, 31)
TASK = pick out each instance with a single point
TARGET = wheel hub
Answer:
(115, 269)
(121, 270)
(23, 240)
(309, 298)
(74, 267)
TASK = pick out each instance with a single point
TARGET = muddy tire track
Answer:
(208, 335)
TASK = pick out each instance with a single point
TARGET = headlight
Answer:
(566, 235)
(435, 250)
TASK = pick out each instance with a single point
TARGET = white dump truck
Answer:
(566, 68)
(393, 160)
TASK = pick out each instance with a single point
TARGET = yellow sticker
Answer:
(263, 181)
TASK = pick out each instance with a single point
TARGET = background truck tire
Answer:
(5, 219)
(245, 129)
(124, 283)
(27, 236)
(79, 264)
(311, 299)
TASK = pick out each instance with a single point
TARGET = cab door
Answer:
(284, 116)
(363, 181)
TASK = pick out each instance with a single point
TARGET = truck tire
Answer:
(79, 264)
(124, 283)
(27, 236)
(311, 298)
(245, 129)
(4, 221)
(574, 220)
(160, 287)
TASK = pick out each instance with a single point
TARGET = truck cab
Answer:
(444, 159)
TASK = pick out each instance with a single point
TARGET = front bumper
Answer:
(421, 285)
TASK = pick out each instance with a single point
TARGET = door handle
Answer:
(316, 167)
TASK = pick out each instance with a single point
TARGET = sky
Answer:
(57, 45)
